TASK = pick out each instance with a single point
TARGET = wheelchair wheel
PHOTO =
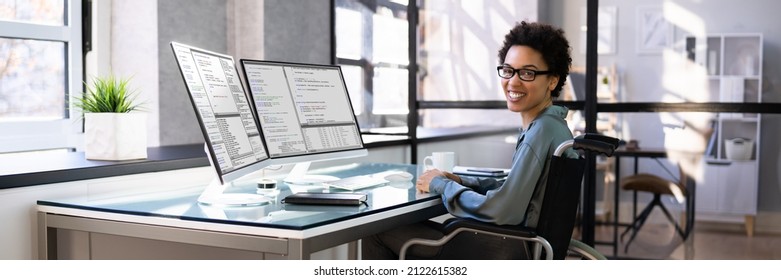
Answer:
(583, 251)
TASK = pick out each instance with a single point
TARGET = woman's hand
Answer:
(453, 177)
(425, 179)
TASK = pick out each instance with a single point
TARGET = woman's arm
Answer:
(480, 185)
(505, 204)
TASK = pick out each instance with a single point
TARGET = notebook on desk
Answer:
(481, 171)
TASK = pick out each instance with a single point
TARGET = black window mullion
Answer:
(412, 71)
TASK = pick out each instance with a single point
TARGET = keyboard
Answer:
(357, 182)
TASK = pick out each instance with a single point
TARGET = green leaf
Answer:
(107, 95)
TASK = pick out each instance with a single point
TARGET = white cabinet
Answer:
(733, 67)
(725, 191)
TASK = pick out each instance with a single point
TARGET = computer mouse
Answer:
(398, 176)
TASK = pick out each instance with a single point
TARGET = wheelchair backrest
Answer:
(560, 203)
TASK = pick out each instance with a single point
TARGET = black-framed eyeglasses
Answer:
(528, 75)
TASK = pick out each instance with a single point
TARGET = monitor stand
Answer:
(215, 195)
(298, 176)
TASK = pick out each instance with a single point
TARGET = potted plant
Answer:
(114, 129)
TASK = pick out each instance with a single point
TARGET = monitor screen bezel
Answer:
(317, 156)
(232, 175)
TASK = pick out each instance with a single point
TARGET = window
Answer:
(459, 41)
(40, 67)
(372, 46)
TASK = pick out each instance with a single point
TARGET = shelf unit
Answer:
(733, 63)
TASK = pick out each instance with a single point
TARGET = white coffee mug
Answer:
(444, 161)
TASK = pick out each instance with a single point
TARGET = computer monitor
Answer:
(225, 113)
(305, 114)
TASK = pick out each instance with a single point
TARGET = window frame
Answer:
(367, 65)
(50, 134)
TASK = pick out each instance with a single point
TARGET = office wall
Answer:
(642, 74)
(297, 31)
(200, 23)
(245, 28)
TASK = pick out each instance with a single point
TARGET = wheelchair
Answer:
(552, 238)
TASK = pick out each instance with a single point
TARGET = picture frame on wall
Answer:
(654, 31)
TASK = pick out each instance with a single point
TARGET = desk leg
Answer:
(352, 250)
(615, 205)
(634, 193)
(47, 239)
(298, 250)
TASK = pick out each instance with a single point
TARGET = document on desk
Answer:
(481, 171)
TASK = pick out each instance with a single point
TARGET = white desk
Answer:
(277, 230)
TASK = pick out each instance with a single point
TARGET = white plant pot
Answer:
(115, 136)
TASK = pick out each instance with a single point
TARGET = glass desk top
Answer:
(182, 204)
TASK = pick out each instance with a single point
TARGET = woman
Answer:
(534, 63)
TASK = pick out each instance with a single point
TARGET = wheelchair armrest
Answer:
(601, 138)
(509, 230)
(596, 143)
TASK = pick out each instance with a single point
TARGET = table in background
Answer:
(654, 153)
(277, 230)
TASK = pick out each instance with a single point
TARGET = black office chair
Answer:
(658, 186)
(553, 235)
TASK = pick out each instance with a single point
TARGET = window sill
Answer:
(30, 169)
(453, 133)
(425, 134)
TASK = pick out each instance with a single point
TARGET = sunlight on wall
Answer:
(684, 19)
(685, 134)
(683, 80)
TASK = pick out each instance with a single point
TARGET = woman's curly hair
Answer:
(547, 40)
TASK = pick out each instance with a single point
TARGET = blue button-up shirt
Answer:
(519, 199)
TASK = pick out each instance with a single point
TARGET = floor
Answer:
(660, 242)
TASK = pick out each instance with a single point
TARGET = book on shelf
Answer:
(710, 150)
(732, 90)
